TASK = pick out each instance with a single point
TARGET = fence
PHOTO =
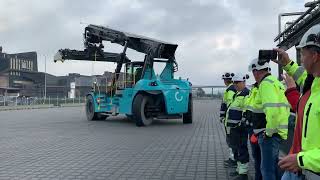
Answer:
(199, 92)
(30, 101)
(207, 92)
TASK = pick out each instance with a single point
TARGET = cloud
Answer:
(213, 36)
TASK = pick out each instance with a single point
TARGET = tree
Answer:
(200, 92)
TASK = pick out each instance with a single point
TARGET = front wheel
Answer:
(90, 113)
(140, 110)
(187, 117)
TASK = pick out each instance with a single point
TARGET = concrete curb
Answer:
(72, 105)
(42, 106)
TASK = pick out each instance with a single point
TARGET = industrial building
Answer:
(19, 76)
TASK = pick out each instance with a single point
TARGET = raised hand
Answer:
(289, 81)
(283, 57)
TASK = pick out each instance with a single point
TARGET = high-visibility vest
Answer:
(249, 105)
(236, 109)
(272, 109)
(227, 99)
(309, 157)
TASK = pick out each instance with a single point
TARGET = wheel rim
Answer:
(146, 113)
(147, 118)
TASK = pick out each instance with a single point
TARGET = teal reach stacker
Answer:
(134, 89)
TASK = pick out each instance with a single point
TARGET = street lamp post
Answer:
(280, 70)
(45, 76)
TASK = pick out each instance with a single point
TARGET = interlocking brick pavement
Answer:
(61, 144)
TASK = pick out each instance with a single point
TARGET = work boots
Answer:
(241, 171)
(243, 168)
(241, 177)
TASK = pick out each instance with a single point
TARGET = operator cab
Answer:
(133, 72)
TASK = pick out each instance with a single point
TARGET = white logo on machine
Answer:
(177, 97)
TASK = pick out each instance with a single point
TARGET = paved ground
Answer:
(61, 144)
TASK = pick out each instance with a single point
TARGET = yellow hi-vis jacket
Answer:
(272, 101)
(236, 109)
(226, 101)
(249, 105)
(309, 157)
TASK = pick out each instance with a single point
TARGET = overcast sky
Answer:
(214, 36)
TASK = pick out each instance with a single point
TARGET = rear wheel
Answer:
(140, 110)
(187, 117)
(129, 117)
(90, 113)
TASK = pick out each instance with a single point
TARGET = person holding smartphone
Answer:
(307, 158)
(270, 117)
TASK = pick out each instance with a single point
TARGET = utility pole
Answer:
(280, 70)
(45, 76)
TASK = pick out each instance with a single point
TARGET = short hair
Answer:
(228, 80)
(313, 48)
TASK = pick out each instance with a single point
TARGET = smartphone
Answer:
(267, 54)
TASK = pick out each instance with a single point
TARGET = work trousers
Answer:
(239, 143)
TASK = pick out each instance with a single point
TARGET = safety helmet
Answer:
(311, 37)
(238, 77)
(256, 65)
(227, 75)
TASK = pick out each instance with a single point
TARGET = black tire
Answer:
(187, 117)
(91, 115)
(139, 106)
(101, 117)
(129, 117)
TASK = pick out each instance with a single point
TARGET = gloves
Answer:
(254, 139)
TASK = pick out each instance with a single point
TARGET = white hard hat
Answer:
(255, 65)
(227, 75)
(238, 77)
(311, 37)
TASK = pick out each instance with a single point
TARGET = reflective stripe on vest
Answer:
(232, 121)
(292, 114)
(235, 108)
(257, 131)
(275, 105)
(268, 80)
(298, 73)
(235, 116)
(270, 130)
(250, 108)
(257, 111)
